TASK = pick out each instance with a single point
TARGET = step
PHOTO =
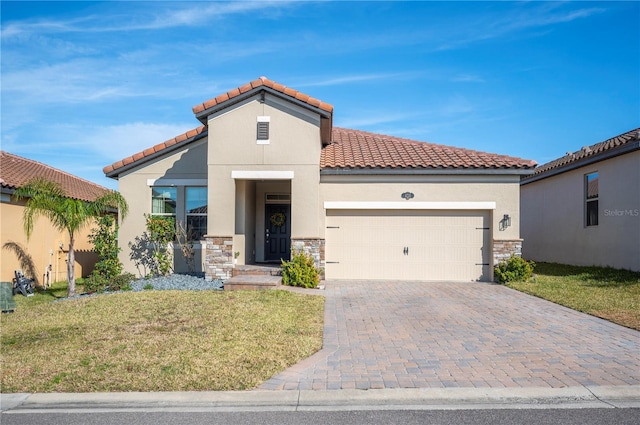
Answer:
(257, 270)
(252, 282)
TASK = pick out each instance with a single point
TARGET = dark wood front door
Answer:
(277, 238)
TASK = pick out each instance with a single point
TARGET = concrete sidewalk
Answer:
(310, 400)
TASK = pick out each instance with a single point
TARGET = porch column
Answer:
(218, 257)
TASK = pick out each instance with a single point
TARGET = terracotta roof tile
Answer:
(262, 81)
(364, 150)
(16, 171)
(139, 156)
(590, 151)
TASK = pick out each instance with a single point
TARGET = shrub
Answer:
(100, 283)
(105, 242)
(515, 269)
(300, 271)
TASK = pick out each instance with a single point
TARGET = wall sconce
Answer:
(505, 222)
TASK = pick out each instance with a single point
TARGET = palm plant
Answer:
(48, 199)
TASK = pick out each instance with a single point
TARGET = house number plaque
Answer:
(407, 195)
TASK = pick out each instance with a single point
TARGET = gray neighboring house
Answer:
(584, 208)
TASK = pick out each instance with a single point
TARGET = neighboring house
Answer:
(584, 208)
(267, 173)
(44, 255)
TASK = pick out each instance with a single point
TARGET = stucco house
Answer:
(44, 255)
(584, 208)
(266, 172)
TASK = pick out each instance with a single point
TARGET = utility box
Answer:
(7, 304)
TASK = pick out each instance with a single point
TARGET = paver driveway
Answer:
(424, 334)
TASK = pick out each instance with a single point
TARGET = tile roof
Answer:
(349, 148)
(353, 149)
(183, 138)
(609, 146)
(262, 81)
(15, 171)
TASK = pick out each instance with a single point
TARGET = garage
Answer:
(414, 244)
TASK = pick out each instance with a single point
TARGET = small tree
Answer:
(185, 241)
(162, 231)
(105, 243)
(48, 199)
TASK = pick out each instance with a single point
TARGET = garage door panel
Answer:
(414, 245)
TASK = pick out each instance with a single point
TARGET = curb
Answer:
(309, 400)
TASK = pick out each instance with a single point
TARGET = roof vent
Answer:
(586, 149)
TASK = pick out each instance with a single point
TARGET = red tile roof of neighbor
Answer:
(609, 146)
(16, 171)
(350, 148)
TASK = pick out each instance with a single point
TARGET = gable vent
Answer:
(263, 130)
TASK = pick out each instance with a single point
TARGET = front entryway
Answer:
(277, 239)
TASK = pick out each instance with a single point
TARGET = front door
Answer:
(277, 239)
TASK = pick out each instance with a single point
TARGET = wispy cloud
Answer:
(158, 17)
(490, 27)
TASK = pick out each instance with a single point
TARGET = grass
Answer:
(156, 340)
(608, 293)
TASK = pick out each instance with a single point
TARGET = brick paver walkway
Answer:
(425, 335)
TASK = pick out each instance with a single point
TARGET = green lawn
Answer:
(156, 340)
(604, 292)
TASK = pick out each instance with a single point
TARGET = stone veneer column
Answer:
(218, 257)
(313, 247)
(504, 249)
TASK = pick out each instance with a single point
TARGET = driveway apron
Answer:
(452, 334)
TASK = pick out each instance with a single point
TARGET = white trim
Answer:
(264, 118)
(176, 182)
(348, 205)
(262, 175)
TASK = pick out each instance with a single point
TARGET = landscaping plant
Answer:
(300, 271)
(48, 199)
(162, 232)
(515, 269)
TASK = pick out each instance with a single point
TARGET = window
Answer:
(591, 199)
(196, 209)
(163, 201)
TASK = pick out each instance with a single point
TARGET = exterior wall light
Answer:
(505, 222)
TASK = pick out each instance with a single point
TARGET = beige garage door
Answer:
(407, 245)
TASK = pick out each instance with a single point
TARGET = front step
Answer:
(254, 277)
(252, 282)
(256, 270)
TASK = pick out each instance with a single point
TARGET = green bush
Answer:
(515, 269)
(300, 271)
(99, 283)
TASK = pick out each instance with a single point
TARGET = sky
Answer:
(86, 84)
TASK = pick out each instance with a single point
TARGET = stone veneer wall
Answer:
(218, 257)
(313, 247)
(504, 249)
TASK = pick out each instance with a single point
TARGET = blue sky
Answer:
(86, 84)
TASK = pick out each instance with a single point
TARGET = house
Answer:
(584, 208)
(43, 256)
(266, 172)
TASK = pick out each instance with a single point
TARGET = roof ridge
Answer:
(58, 170)
(262, 81)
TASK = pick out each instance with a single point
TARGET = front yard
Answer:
(604, 292)
(157, 340)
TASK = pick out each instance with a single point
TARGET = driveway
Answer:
(450, 334)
